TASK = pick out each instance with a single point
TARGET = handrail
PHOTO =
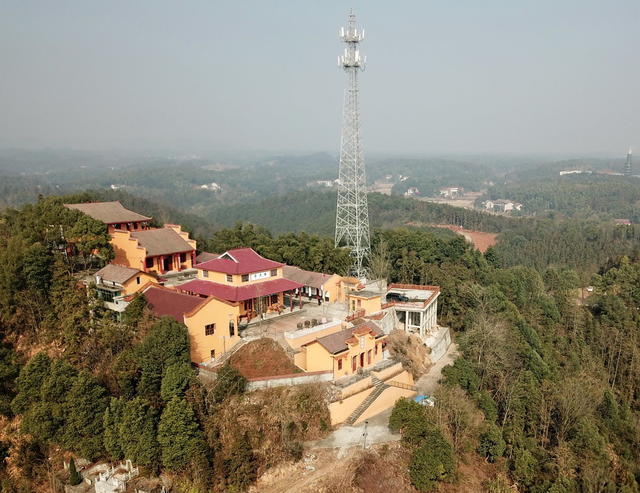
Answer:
(401, 385)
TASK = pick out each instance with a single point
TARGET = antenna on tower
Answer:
(352, 212)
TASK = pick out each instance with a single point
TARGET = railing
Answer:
(357, 314)
(401, 385)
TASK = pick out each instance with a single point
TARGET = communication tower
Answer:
(627, 165)
(352, 213)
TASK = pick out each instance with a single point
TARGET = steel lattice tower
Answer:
(627, 165)
(352, 213)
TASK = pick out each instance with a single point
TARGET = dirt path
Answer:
(480, 239)
(428, 382)
(302, 476)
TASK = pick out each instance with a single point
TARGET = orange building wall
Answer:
(214, 311)
(332, 287)
(133, 286)
(127, 251)
(236, 279)
(369, 305)
(318, 358)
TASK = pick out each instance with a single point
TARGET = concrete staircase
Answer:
(379, 388)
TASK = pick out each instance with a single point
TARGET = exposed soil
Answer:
(481, 240)
(263, 358)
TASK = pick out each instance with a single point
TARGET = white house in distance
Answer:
(412, 192)
(501, 205)
(451, 192)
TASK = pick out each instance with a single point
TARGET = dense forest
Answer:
(578, 196)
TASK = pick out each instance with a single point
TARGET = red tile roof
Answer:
(163, 301)
(239, 261)
(238, 293)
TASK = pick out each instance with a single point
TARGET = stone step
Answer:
(378, 389)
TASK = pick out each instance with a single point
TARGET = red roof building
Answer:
(242, 275)
(239, 261)
(238, 293)
(166, 302)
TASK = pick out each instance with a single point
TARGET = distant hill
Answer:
(314, 212)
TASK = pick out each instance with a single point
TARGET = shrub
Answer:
(431, 462)
(228, 383)
(74, 475)
(404, 412)
(492, 445)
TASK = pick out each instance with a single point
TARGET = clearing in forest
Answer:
(480, 239)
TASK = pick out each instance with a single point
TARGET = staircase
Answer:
(378, 387)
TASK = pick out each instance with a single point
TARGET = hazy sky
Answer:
(442, 76)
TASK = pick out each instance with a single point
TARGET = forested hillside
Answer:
(546, 389)
(579, 196)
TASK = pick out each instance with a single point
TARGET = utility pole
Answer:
(352, 212)
(364, 435)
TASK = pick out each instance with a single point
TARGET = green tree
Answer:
(134, 311)
(431, 462)
(241, 465)
(138, 433)
(181, 440)
(29, 382)
(177, 378)
(166, 343)
(404, 412)
(112, 438)
(228, 382)
(74, 475)
(492, 445)
(85, 405)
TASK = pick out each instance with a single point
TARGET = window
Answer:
(232, 328)
(245, 277)
(213, 354)
(354, 363)
(183, 257)
(116, 226)
(229, 278)
(209, 329)
(205, 273)
(361, 340)
(375, 349)
(340, 364)
(369, 357)
(149, 262)
(359, 303)
(274, 272)
(361, 359)
(107, 295)
(138, 280)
